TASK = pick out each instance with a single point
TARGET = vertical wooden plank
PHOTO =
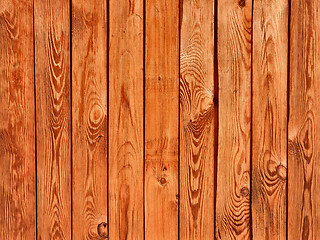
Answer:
(197, 120)
(234, 71)
(269, 124)
(304, 122)
(126, 120)
(161, 119)
(17, 131)
(52, 71)
(89, 119)
(269, 119)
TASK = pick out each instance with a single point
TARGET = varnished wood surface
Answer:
(234, 75)
(269, 119)
(89, 120)
(126, 120)
(197, 120)
(161, 119)
(52, 78)
(149, 119)
(304, 122)
(17, 121)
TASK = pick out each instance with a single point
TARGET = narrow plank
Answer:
(89, 119)
(52, 71)
(234, 71)
(269, 119)
(126, 120)
(197, 120)
(161, 119)
(17, 131)
(304, 122)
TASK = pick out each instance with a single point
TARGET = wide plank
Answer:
(198, 130)
(89, 119)
(269, 119)
(126, 120)
(52, 78)
(304, 122)
(161, 119)
(234, 80)
(17, 122)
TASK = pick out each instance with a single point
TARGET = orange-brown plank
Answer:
(234, 72)
(17, 131)
(126, 120)
(269, 119)
(304, 122)
(52, 77)
(161, 119)
(89, 119)
(197, 120)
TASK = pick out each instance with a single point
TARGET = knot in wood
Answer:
(242, 3)
(103, 230)
(282, 172)
(244, 192)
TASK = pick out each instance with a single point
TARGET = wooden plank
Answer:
(126, 120)
(161, 119)
(304, 122)
(52, 77)
(234, 72)
(89, 119)
(17, 122)
(269, 119)
(197, 120)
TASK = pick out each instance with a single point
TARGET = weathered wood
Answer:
(161, 119)
(89, 119)
(234, 72)
(197, 120)
(17, 131)
(52, 77)
(304, 122)
(269, 119)
(126, 120)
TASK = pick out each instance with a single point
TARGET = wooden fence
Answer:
(159, 119)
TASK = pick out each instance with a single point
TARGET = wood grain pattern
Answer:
(161, 119)
(89, 119)
(197, 120)
(269, 119)
(52, 77)
(126, 120)
(17, 131)
(304, 122)
(234, 71)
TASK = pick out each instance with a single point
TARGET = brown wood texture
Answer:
(126, 120)
(52, 78)
(161, 119)
(89, 119)
(197, 120)
(304, 122)
(17, 121)
(269, 119)
(234, 71)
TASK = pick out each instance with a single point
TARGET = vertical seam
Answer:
(216, 104)
(288, 109)
(71, 126)
(251, 115)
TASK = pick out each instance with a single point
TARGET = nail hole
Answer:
(163, 181)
